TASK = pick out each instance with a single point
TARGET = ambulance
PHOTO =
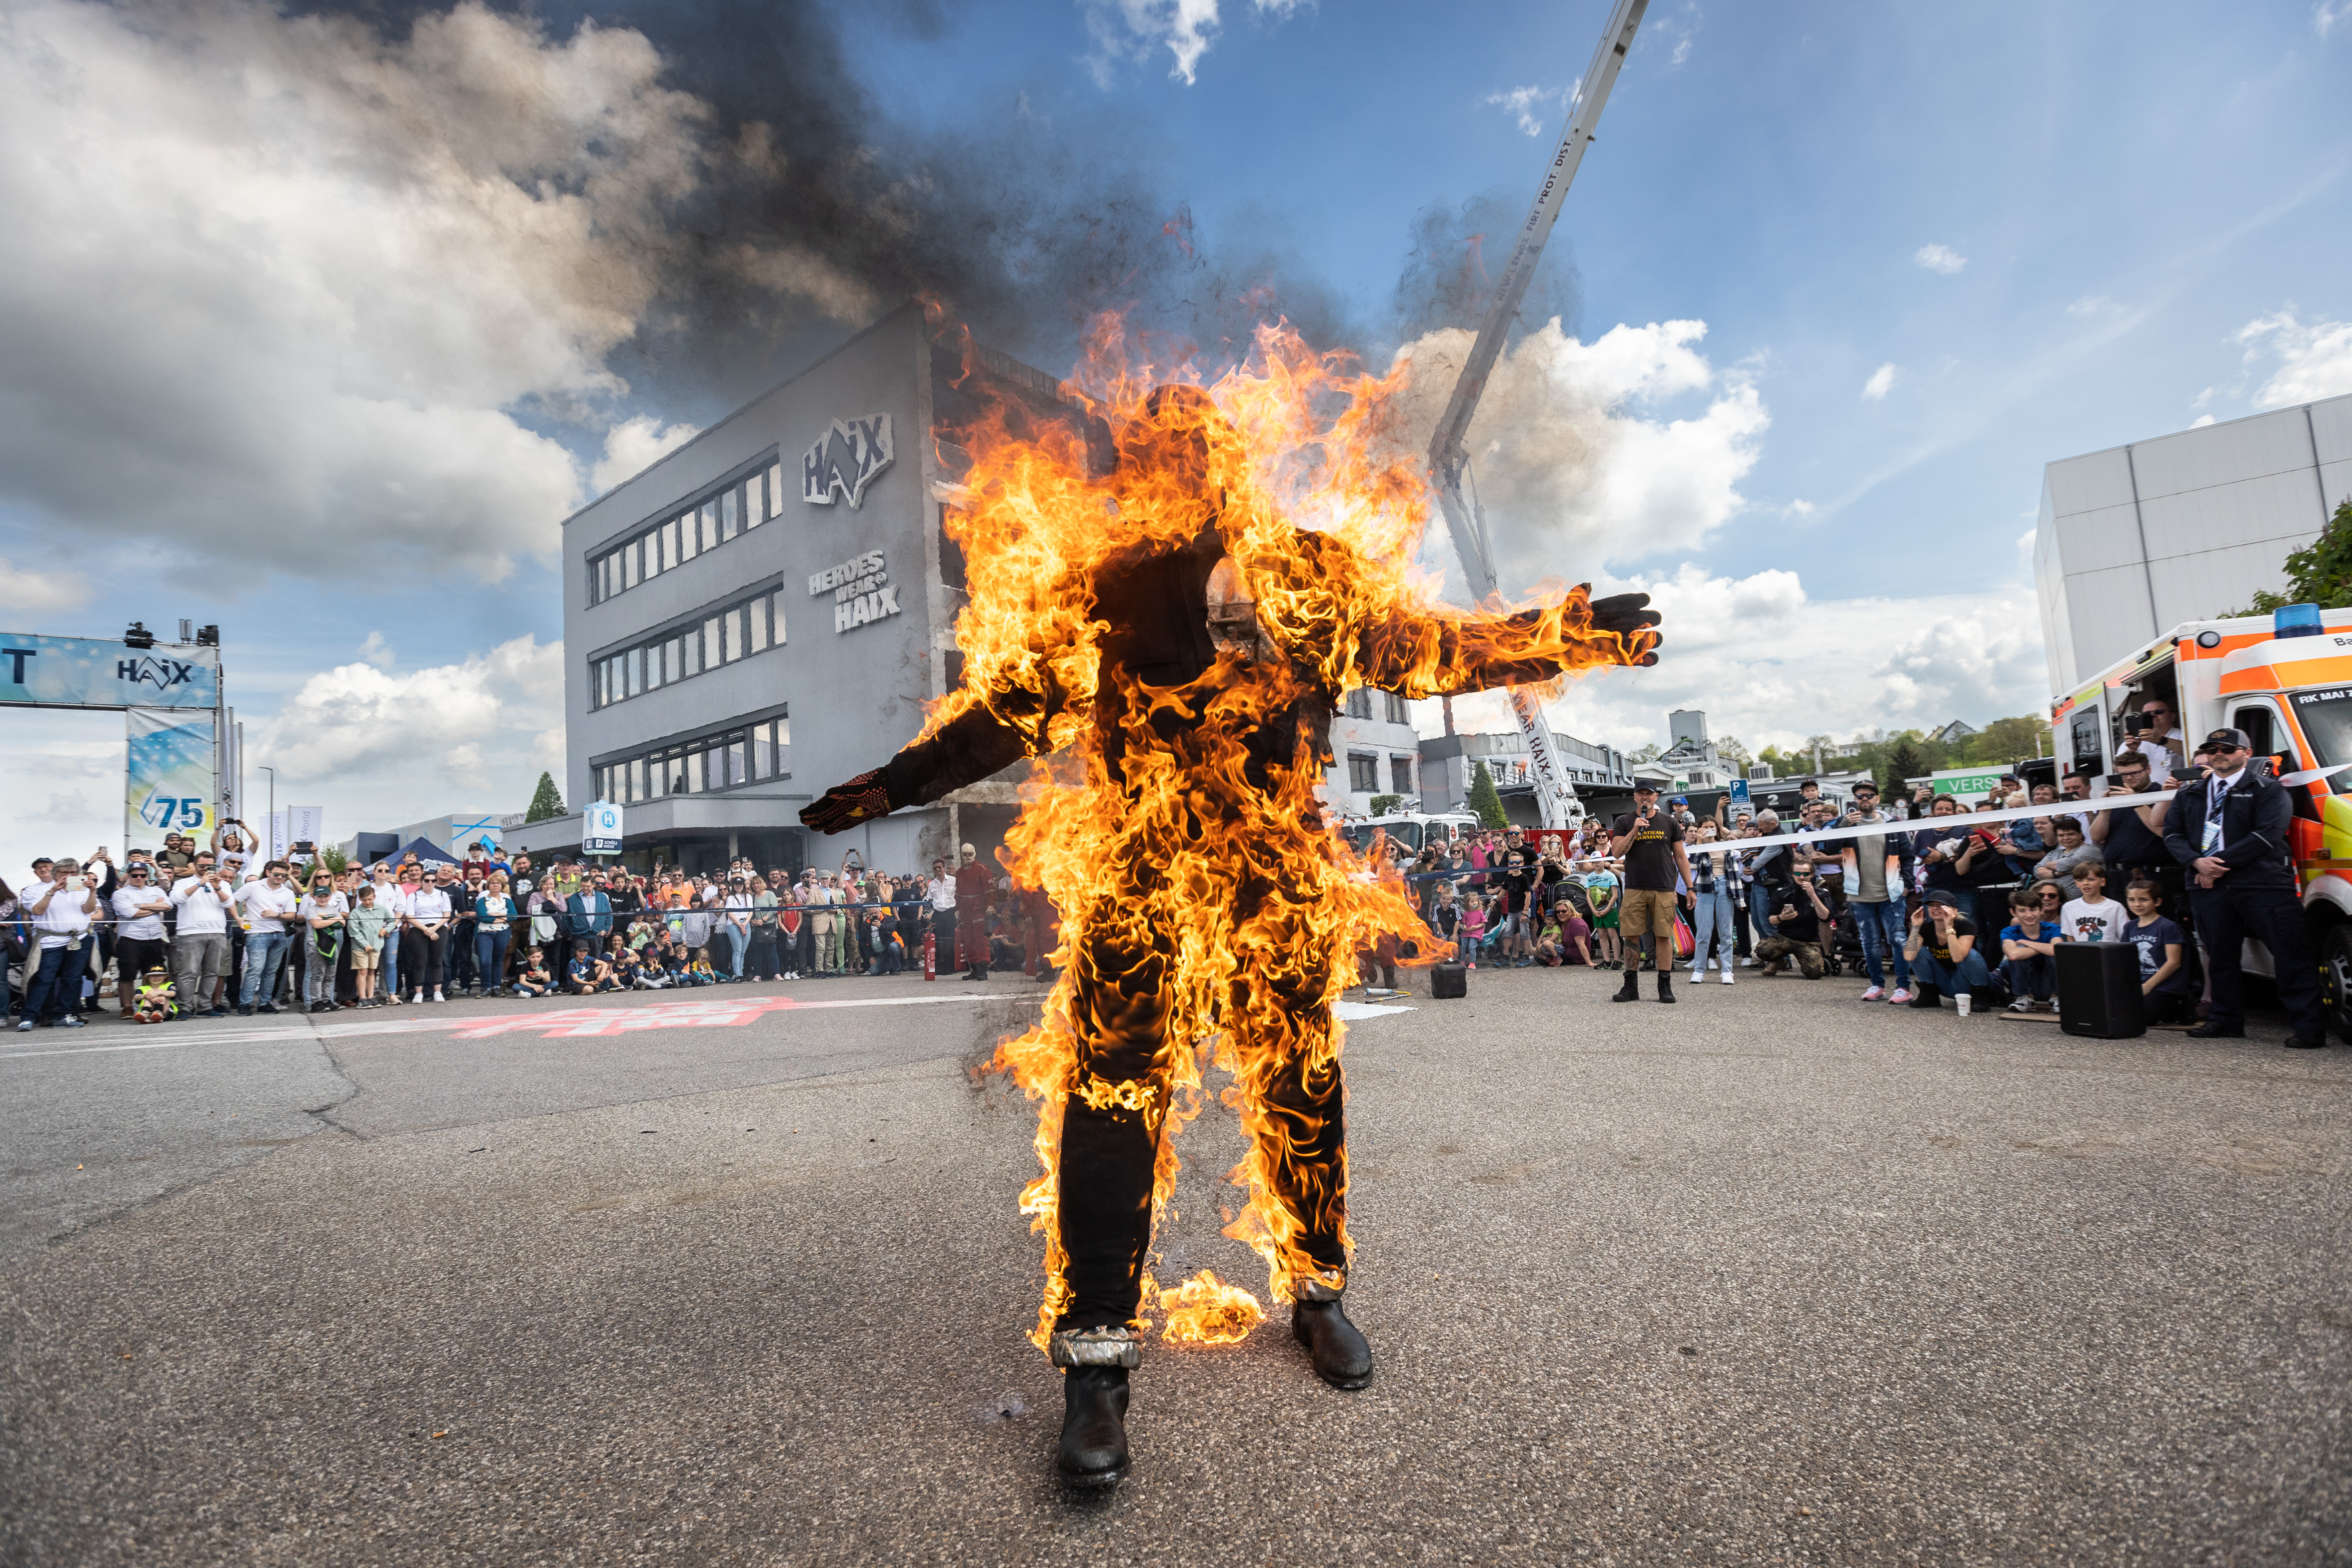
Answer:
(2286, 680)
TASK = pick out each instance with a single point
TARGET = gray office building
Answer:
(766, 611)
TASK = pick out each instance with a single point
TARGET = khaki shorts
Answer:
(367, 957)
(1646, 911)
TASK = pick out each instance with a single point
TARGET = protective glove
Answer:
(1631, 617)
(845, 805)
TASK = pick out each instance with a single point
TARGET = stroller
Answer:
(1842, 951)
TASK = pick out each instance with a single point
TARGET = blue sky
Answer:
(2062, 226)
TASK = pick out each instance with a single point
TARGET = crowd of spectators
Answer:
(1922, 917)
(1950, 910)
(202, 930)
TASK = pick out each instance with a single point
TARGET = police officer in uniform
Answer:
(2230, 829)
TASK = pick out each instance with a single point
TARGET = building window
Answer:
(729, 759)
(1359, 704)
(1401, 775)
(1364, 773)
(736, 507)
(752, 626)
(1394, 707)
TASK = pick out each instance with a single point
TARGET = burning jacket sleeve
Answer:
(965, 750)
(1416, 651)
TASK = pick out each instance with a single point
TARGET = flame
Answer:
(1205, 1310)
(1187, 845)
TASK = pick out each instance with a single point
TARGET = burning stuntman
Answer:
(1188, 645)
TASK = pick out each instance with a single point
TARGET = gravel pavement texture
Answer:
(1770, 1275)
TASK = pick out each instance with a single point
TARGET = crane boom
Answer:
(1449, 457)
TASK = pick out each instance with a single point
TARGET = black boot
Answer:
(1666, 985)
(1631, 991)
(1094, 1426)
(1926, 995)
(1336, 1346)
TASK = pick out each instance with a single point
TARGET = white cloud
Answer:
(1131, 31)
(26, 592)
(1574, 462)
(2201, 422)
(1522, 103)
(2314, 362)
(379, 748)
(376, 651)
(1939, 258)
(2092, 305)
(288, 282)
(1881, 381)
(61, 774)
(2328, 14)
(634, 445)
(1768, 663)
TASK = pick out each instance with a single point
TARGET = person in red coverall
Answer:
(972, 882)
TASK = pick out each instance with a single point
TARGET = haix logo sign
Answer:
(845, 460)
(861, 589)
(148, 670)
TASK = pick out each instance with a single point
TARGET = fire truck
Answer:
(2286, 680)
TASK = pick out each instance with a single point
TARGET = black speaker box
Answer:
(2098, 990)
(1449, 980)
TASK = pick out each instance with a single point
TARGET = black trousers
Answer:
(423, 959)
(1289, 1084)
(2226, 917)
(763, 961)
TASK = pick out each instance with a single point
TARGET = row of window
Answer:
(1364, 774)
(752, 753)
(735, 509)
(1393, 709)
(739, 631)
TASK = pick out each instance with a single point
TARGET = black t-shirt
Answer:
(1803, 926)
(1515, 884)
(1960, 925)
(1650, 857)
(2129, 843)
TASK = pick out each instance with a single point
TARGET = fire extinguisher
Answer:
(931, 955)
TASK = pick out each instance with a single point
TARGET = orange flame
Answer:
(1320, 504)
(1205, 1310)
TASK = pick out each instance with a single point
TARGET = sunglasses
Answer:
(2224, 750)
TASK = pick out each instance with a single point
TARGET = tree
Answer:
(545, 802)
(2009, 739)
(333, 859)
(1902, 762)
(1648, 753)
(1484, 800)
(1384, 804)
(1735, 754)
(2319, 574)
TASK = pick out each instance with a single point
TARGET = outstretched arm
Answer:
(987, 726)
(1323, 594)
(1427, 655)
(967, 748)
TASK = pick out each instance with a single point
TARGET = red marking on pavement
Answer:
(573, 1022)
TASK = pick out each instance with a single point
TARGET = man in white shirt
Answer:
(942, 889)
(60, 913)
(204, 902)
(268, 904)
(138, 909)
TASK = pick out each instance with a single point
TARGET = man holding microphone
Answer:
(1650, 843)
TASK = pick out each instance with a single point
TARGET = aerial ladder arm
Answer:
(1449, 456)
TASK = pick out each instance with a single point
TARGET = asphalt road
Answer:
(1769, 1275)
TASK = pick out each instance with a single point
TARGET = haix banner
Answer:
(84, 672)
(168, 786)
